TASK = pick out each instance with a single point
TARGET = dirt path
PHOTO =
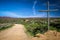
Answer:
(14, 33)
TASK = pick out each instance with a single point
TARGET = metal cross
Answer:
(48, 10)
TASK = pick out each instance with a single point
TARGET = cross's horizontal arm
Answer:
(48, 10)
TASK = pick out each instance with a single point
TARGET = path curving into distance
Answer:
(14, 33)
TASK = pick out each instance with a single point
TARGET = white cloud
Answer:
(42, 14)
(34, 11)
(10, 14)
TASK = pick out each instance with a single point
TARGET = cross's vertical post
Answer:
(48, 14)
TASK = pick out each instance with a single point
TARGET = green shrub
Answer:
(35, 27)
(3, 27)
(55, 26)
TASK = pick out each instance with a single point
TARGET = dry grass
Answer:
(49, 35)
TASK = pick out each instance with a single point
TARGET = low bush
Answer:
(5, 26)
(55, 26)
(35, 27)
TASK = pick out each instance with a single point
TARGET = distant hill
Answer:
(10, 19)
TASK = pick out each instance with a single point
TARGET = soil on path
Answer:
(15, 33)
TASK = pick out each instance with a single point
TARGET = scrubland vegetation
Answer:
(39, 26)
(32, 25)
(4, 26)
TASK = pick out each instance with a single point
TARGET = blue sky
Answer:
(28, 8)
